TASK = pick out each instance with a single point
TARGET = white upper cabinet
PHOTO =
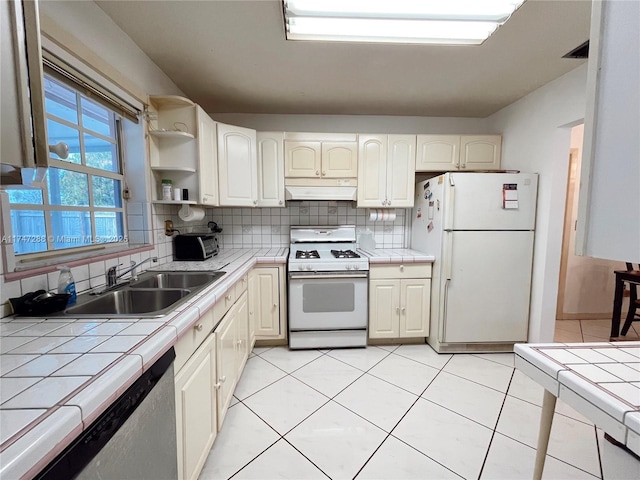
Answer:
(480, 152)
(339, 159)
(442, 153)
(302, 159)
(401, 167)
(207, 159)
(24, 133)
(270, 169)
(438, 153)
(237, 165)
(321, 155)
(386, 170)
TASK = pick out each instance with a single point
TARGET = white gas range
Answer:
(328, 288)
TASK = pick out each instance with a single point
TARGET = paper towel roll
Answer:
(191, 214)
(381, 214)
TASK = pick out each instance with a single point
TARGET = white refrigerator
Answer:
(480, 229)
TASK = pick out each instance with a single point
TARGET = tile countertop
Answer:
(48, 365)
(599, 380)
(396, 255)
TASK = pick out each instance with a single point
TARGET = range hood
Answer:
(343, 192)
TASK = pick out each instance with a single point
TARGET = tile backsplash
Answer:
(259, 227)
(241, 228)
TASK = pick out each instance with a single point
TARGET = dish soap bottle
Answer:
(66, 284)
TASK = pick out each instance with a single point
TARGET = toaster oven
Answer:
(194, 246)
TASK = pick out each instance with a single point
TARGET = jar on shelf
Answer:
(167, 189)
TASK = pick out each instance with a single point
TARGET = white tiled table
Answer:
(599, 380)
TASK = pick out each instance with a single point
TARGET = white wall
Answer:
(355, 123)
(536, 138)
(91, 34)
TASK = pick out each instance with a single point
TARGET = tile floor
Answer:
(399, 412)
(573, 331)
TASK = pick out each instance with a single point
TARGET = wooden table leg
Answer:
(617, 308)
(546, 419)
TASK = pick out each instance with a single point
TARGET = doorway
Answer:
(586, 285)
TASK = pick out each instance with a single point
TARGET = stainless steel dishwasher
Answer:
(135, 438)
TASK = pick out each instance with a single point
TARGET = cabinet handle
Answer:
(239, 342)
(317, 172)
(275, 305)
(403, 310)
(463, 166)
(324, 173)
(397, 310)
(228, 297)
(255, 202)
(199, 327)
(402, 268)
(223, 379)
(217, 386)
(388, 202)
(384, 202)
(280, 202)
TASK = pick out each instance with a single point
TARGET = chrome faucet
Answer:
(112, 276)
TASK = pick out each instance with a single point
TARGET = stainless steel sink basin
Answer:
(176, 280)
(154, 294)
(130, 302)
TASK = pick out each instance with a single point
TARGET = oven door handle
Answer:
(320, 276)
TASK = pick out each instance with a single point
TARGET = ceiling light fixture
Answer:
(451, 22)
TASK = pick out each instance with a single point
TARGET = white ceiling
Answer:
(231, 56)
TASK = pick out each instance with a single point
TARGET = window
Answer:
(80, 203)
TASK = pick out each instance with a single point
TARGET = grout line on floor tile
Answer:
(595, 428)
(245, 465)
(310, 461)
(493, 433)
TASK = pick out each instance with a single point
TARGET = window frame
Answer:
(82, 168)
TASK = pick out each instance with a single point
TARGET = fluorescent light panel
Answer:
(468, 22)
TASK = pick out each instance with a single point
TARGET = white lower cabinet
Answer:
(266, 301)
(232, 353)
(399, 301)
(196, 425)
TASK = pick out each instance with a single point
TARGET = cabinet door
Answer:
(270, 169)
(339, 160)
(196, 425)
(401, 168)
(237, 164)
(302, 159)
(437, 153)
(207, 160)
(24, 129)
(242, 327)
(384, 308)
(480, 152)
(226, 359)
(415, 295)
(372, 170)
(264, 301)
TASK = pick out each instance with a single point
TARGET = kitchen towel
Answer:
(191, 214)
(382, 214)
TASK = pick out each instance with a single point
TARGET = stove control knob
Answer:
(300, 267)
(308, 267)
(347, 266)
(356, 266)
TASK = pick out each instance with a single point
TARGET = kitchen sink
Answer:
(176, 280)
(130, 302)
(153, 294)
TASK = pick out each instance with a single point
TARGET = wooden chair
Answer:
(634, 304)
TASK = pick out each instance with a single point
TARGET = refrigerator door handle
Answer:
(449, 197)
(448, 253)
(444, 312)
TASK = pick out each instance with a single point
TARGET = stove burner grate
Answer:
(307, 254)
(344, 254)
